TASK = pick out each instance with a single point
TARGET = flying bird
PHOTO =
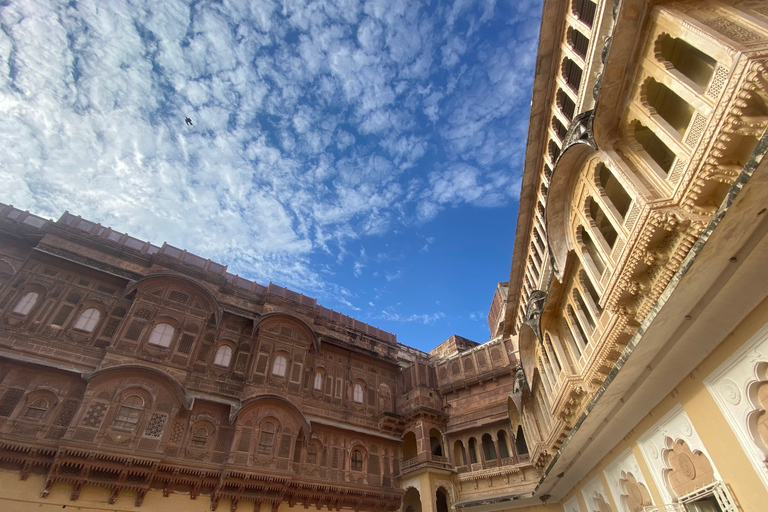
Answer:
(188, 121)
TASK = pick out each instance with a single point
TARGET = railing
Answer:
(94, 229)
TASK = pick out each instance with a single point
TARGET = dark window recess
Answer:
(62, 315)
(134, 330)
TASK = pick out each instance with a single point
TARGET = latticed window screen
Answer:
(62, 315)
(155, 425)
(185, 345)
(10, 400)
(95, 414)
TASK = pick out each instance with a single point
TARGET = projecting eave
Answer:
(712, 292)
(552, 20)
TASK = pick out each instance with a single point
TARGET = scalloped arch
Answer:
(170, 384)
(185, 281)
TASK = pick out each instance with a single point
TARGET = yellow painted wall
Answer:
(724, 448)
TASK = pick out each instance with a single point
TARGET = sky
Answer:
(368, 154)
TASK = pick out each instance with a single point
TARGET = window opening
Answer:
(578, 41)
(602, 222)
(501, 437)
(357, 394)
(591, 249)
(279, 366)
(613, 190)
(223, 356)
(565, 104)
(26, 303)
(267, 438)
(656, 149)
(691, 62)
(571, 74)
(357, 460)
(585, 11)
(129, 414)
(161, 335)
(667, 104)
(318, 385)
(37, 409)
(88, 320)
(472, 450)
(200, 438)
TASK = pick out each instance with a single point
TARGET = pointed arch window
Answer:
(472, 450)
(319, 378)
(601, 220)
(26, 303)
(223, 356)
(88, 319)
(161, 335)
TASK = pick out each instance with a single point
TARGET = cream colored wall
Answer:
(24, 496)
(720, 441)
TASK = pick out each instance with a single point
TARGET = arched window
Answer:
(472, 450)
(691, 62)
(357, 393)
(656, 149)
(559, 128)
(666, 103)
(161, 335)
(584, 10)
(88, 319)
(312, 454)
(578, 41)
(459, 458)
(410, 449)
(129, 414)
(489, 451)
(601, 220)
(575, 322)
(613, 190)
(26, 303)
(591, 251)
(520, 445)
(565, 104)
(571, 74)
(435, 446)
(266, 438)
(356, 460)
(583, 307)
(501, 438)
(279, 366)
(319, 378)
(592, 294)
(37, 409)
(200, 438)
(223, 356)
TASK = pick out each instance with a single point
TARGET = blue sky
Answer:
(368, 154)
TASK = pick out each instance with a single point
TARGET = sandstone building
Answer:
(627, 365)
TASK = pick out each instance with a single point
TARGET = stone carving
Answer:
(533, 312)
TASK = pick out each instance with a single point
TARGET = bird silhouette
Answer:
(188, 121)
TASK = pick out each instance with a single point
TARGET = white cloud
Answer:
(309, 122)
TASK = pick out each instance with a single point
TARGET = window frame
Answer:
(89, 325)
(154, 330)
(25, 305)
